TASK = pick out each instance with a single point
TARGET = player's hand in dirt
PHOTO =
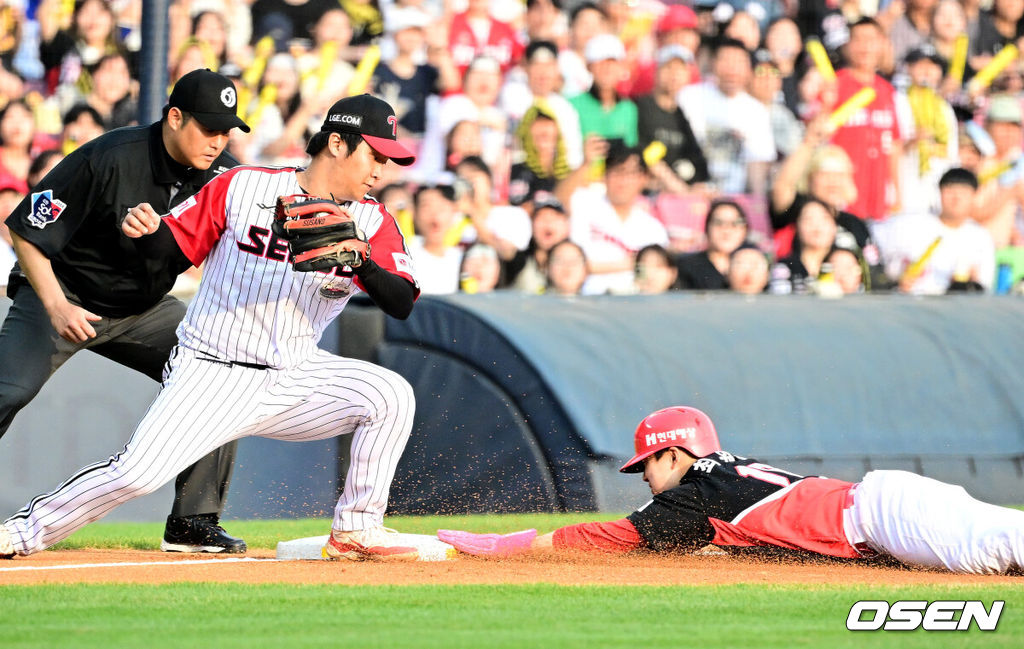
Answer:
(488, 545)
(72, 321)
(141, 220)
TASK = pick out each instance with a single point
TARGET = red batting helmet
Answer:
(687, 428)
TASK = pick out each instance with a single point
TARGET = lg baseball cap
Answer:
(372, 118)
(210, 98)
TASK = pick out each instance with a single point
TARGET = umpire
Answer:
(81, 284)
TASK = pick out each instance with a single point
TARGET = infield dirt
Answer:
(68, 566)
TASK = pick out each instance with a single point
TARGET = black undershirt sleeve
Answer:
(393, 294)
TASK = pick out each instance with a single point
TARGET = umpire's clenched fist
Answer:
(141, 220)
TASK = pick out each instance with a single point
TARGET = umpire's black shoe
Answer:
(199, 533)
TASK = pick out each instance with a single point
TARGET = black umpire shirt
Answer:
(74, 213)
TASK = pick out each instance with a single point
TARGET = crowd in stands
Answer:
(617, 146)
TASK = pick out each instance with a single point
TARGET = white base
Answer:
(311, 547)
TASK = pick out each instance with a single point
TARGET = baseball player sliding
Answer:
(704, 495)
(277, 271)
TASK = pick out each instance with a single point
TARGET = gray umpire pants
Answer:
(31, 351)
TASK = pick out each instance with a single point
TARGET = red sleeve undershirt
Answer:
(613, 536)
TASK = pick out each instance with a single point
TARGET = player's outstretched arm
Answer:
(493, 545)
(611, 536)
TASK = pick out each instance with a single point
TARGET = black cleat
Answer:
(199, 533)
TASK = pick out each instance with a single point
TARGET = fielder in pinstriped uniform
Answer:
(247, 361)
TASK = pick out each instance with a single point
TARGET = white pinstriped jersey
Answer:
(251, 306)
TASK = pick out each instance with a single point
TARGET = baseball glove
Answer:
(320, 233)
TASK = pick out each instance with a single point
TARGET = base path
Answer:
(260, 567)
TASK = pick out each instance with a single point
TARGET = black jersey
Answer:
(73, 215)
(730, 500)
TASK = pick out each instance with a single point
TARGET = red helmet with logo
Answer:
(687, 428)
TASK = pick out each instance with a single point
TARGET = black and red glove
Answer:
(320, 233)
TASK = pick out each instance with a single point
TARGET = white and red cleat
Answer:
(376, 543)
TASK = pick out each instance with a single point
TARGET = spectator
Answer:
(660, 119)
(325, 69)
(280, 117)
(567, 269)
(545, 21)
(405, 82)
(284, 20)
(766, 87)
(70, 56)
(912, 29)
(366, 19)
(465, 140)
(211, 27)
(848, 269)
(526, 271)
(41, 165)
(81, 124)
(477, 103)
(931, 132)
(783, 42)
(744, 28)
(871, 137)
(540, 87)
(949, 22)
(826, 173)
(1000, 199)
(503, 227)
(474, 33)
(655, 271)
(999, 26)
(437, 262)
(964, 252)
(397, 200)
(113, 92)
(545, 160)
(192, 55)
(17, 139)
(602, 111)
(726, 230)
(611, 226)
(678, 26)
(748, 270)
(815, 236)
(586, 21)
(480, 271)
(733, 128)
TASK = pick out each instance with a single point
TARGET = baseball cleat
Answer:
(6, 543)
(376, 543)
(199, 533)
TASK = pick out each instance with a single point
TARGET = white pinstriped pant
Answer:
(204, 404)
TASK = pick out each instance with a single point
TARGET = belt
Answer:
(861, 546)
(251, 366)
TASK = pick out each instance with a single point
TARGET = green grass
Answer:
(266, 534)
(229, 615)
(224, 616)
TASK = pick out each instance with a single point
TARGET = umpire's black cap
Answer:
(210, 98)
